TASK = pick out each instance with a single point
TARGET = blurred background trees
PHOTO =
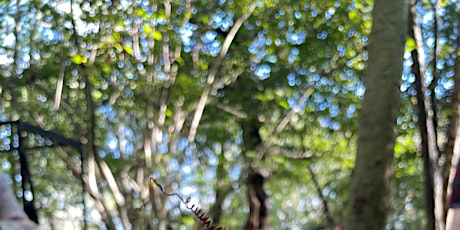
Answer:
(205, 94)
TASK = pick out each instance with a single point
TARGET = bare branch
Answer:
(213, 71)
(59, 84)
(284, 122)
(232, 111)
(319, 190)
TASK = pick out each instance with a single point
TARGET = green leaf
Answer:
(106, 67)
(284, 104)
(188, 220)
(97, 95)
(116, 36)
(157, 35)
(128, 49)
(140, 12)
(205, 19)
(410, 44)
(204, 65)
(77, 59)
(353, 15)
(147, 29)
(118, 47)
(180, 61)
(168, 113)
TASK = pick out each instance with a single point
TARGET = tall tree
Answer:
(428, 146)
(369, 196)
(452, 153)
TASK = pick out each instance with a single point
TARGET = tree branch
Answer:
(213, 71)
(282, 124)
(319, 190)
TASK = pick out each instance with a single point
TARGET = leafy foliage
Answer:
(167, 88)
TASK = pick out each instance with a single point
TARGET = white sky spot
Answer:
(95, 215)
(187, 191)
(186, 169)
(449, 84)
(82, 27)
(64, 7)
(9, 40)
(113, 144)
(5, 60)
(360, 91)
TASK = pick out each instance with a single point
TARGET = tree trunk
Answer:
(222, 188)
(418, 69)
(368, 203)
(451, 152)
(258, 198)
(91, 151)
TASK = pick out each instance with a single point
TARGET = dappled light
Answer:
(249, 110)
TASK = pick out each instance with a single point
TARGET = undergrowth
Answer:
(204, 219)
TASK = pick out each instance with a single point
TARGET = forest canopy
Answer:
(235, 104)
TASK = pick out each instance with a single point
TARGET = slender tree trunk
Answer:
(91, 158)
(424, 148)
(369, 195)
(222, 188)
(451, 151)
(418, 69)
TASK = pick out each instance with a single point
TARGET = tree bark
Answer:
(424, 121)
(90, 149)
(258, 198)
(368, 203)
(451, 152)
